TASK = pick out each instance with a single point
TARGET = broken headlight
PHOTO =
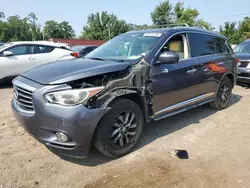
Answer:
(72, 97)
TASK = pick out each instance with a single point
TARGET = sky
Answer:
(76, 12)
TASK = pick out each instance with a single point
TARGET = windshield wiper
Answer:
(97, 58)
(121, 60)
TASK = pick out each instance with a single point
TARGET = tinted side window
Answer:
(87, 50)
(39, 49)
(221, 46)
(21, 50)
(202, 44)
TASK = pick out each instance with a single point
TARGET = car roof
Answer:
(49, 43)
(247, 40)
(178, 29)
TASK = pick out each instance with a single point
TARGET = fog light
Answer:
(61, 137)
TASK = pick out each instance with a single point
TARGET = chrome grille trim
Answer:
(243, 63)
(23, 99)
(23, 85)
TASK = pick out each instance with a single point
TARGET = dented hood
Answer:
(66, 71)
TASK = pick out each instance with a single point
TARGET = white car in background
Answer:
(18, 57)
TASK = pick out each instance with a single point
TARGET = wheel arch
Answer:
(232, 78)
(130, 95)
(133, 96)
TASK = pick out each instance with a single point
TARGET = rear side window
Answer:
(39, 49)
(221, 46)
(202, 44)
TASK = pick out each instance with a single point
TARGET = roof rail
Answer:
(166, 25)
(202, 27)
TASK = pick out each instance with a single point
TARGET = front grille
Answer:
(243, 63)
(23, 98)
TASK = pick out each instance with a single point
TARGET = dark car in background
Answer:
(242, 52)
(107, 97)
(83, 49)
(1, 43)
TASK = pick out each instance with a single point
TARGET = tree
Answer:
(2, 16)
(66, 30)
(34, 26)
(183, 15)
(2, 24)
(16, 29)
(53, 29)
(162, 13)
(230, 30)
(103, 26)
(244, 28)
(166, 13)
(236, 33)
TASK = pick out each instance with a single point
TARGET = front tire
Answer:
(120, 129)
(223, 95)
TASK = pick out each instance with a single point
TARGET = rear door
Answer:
(214, 60)
(19, 62)
(43, 54)
(174, 85)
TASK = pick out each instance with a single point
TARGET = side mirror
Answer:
(168, 57)
(7, 53)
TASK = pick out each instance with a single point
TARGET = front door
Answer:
(20, 61)
(174, 84)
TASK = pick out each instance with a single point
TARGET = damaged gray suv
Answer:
(107, 97)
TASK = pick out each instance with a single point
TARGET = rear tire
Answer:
(223, 95)
(120, 129)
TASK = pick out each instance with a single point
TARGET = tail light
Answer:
(237, 60)
(75, 54)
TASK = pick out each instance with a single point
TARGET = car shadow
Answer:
(155, 130)
(244, 85)
(6, 83)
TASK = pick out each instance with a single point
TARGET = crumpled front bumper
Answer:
(77, 122)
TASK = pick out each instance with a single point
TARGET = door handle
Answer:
(31, 58)
(191, 71)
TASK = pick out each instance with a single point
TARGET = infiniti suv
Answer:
(137, 77)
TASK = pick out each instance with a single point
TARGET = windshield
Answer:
(77, 48)
(5, 46)
(126, 46)
(243, 48)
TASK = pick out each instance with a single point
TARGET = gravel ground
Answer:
(218, 143)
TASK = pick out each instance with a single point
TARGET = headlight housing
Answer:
(72, 97)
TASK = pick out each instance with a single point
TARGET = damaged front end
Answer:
(133, 83)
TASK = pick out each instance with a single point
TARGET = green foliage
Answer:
(236, 33)
(34, 27)
(19, 29)
(244, 28)
(103, 26)
(166, 13)
(231, 32)
(53, 29)
(15, 28)
(163, 13)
